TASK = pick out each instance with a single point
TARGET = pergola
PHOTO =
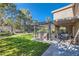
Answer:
(68, 23)
(47, 24)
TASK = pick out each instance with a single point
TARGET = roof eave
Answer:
(70, 5)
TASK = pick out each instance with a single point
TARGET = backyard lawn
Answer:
(21, 45)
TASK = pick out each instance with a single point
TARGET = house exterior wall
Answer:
(64, 14)
(76, 10)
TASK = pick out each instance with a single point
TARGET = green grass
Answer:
(21, 45)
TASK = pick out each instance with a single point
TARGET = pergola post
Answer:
(34, 32)
(35, 23)
(49, 28)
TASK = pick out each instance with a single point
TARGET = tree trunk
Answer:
(12, 31)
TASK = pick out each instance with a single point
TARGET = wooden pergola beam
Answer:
(66, 21)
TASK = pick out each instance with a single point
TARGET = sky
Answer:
(40, 11)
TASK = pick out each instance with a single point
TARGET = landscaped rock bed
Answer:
(62, 49)
(68, 49)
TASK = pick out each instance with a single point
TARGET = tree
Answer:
(17, 25)
(2, 13)
(24, 18)
(10, 22)
(21, 18)
(2, 8)
(8, 14)
(7, 10)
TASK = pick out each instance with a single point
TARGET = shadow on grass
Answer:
(21, 46)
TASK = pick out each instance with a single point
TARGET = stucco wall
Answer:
(77, 10)
(63, 14)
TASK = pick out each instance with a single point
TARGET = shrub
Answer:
(5, 33)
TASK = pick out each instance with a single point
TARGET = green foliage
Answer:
(17, 25)
(9, 22)
(19, 45)
(23, 17)
(8, 13)
(5, 34)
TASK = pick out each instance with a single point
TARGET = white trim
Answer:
(70, 5)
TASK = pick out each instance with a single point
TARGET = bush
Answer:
(5, 33)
